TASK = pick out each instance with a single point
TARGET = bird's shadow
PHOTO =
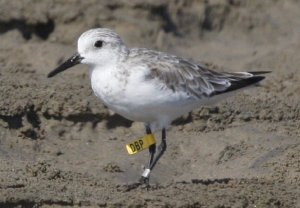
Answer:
(117, 121)
(183, 120)
(211, 181)
(206, 182)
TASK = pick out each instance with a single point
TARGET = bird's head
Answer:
(96, 47)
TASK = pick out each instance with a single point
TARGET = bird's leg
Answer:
(152, 149)
(153, 160)
(161, 149)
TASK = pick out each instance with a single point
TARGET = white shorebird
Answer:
(150, 86)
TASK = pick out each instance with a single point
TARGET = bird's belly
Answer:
(126, 104)
(114, 92)
(148, 106)
(140, 100)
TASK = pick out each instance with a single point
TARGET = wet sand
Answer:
(60, 147)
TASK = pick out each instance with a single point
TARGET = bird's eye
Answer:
(98, 43)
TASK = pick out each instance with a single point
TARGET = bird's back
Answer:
(196, 80)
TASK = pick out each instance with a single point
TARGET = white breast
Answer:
(130, 95)
(106, 85)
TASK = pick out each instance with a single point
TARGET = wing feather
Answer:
(181, 75)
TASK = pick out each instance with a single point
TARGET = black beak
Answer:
(72, 61)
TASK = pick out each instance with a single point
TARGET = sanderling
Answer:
(150, 86)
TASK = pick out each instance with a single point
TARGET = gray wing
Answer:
(196, 80)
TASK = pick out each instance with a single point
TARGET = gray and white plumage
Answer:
(150, 86)
(180, 74)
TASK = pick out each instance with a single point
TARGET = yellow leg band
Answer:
(140, 144)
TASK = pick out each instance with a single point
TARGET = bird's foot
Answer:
(144, 180)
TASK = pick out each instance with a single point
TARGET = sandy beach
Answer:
(60, 147)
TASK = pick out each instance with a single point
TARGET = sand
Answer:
(60, 147)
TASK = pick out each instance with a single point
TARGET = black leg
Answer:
(152, 149)
(153, 160)
(161, 149)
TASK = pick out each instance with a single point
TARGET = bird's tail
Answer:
(259, 72)
(241, 82)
